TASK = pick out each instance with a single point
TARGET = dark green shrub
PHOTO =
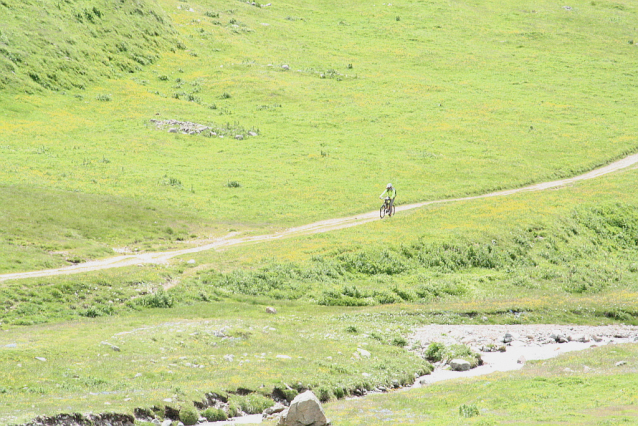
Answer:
(253, 404)
(435, 352)
(214, 414)
(188, 416)
(399, 341)
(160, 299)
(469, 410)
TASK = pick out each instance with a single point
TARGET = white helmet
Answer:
(388, 186)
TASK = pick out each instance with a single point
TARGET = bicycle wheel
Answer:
(382, 211)
(392, 210)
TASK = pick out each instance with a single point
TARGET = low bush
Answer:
(214, 414)
(188, 416)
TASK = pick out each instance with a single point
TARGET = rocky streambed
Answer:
(509, 347)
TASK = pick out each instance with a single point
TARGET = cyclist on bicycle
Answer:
(389, 193)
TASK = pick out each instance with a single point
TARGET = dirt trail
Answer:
(313, 228)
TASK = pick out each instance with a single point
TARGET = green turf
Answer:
(441, 98)
(450, 99)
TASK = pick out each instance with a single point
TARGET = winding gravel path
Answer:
(313, 228)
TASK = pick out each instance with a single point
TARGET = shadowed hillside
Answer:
(61, 44)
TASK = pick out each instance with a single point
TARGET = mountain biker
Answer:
(390, 193)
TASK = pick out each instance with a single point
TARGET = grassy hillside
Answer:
(332, 100)
(66, 44)
(439, 98)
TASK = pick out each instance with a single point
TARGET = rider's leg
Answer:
(391, 204)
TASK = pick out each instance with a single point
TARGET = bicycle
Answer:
(386, 209)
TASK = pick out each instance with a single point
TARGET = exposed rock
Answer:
(39, 358)
(283, 357)
(271, 310)
(521, 360)
(582, 338)
(363, 353)
(191, 262)
(460, 365)
(76, 419)
(507, 338)
(277, 408)
(239, 137)
(285, 67)
(620, 363)
(304, 410)
(115, 348)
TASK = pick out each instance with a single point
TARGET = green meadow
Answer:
(310, 109)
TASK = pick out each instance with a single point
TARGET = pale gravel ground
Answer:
(531, 342)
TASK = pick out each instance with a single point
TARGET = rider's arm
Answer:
(384, 192)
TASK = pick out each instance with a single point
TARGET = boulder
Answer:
(277, 408)
(363, 353)
(304, 410)
(271, 310)
(558, 336)
(582, 338)
(460, 365)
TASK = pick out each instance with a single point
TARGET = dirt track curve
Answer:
(313, 228)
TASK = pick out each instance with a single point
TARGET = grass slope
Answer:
(440, 98)
(60, 45)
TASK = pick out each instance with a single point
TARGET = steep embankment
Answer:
(60, 45)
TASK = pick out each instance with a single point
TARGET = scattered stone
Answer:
(239, 137)
(521, 360)
(621, 363)
(568, 370)
(304, 410)
(507, 338)
(586, 369)
(460, 365)
(173, 130)
(191, 262)
(115, 348)
(283, 357)
(167, 422)
(39, 358)
(156, 422)
(229, 358)
(253, 134)
(286, 67)
(582, 338)
(271, 310)
(277, 408)
(363, 353)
